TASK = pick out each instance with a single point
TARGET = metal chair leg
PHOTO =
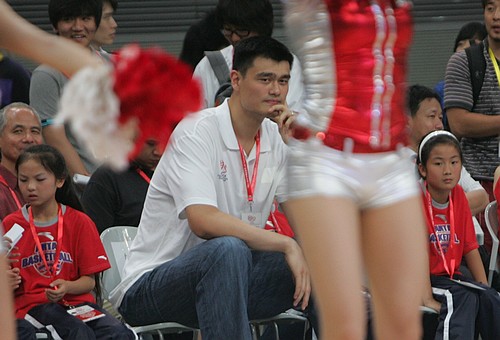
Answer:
(276, 331)
(255, 332)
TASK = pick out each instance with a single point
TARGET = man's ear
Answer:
(422, 171)
(55, 30)
(235, 77)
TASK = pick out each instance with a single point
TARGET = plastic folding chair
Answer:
(117, 241)
(491, 218)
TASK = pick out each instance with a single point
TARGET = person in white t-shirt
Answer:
(105, 33)
(238, 20)
(201, 256)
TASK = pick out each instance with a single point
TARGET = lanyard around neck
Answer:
(53, 270)
(12, 192)
(143, 175)
(251, 185)
(450, 269)
(495, 64)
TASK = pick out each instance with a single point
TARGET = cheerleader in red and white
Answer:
(60, 254)
(465, 303)
(354, 196)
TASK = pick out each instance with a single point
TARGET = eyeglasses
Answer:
(240, 33)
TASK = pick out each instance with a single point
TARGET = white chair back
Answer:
(491, 217)
(116, 241)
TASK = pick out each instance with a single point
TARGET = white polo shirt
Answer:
(206, 75)
(202, 165)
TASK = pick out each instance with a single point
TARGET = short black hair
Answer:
(484, 2)
(418, 93)
(470, 31)
(65, 9)
(247, 50)
(112, 3)
(253, 15)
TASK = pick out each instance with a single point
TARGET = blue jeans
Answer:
(217, 286)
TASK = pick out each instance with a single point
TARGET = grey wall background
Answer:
(164, 23)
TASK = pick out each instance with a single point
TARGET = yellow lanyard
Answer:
(495, 64)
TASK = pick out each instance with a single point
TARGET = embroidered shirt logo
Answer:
(49, 249)
(442, 231)
(223, 171)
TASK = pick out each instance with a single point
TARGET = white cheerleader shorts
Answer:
(371, 180)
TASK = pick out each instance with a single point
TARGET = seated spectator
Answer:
(105, 34)
(466, 306)
(202, 36)
(425, 115)
(31, 42)
(76, 20)
(20, 128)
(14, 82)
(238, 20)
(60, 254)
(116, 199)
(201, 256)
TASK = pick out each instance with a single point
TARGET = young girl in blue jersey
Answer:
(468, 305)
(60, 254)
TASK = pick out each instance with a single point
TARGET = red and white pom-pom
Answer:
(91, 108)
(113, 112)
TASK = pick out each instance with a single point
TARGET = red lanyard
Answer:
(52, 271)
(450, 269)
(143, 175)
(277, 227)
(251, 185)
(12, 192)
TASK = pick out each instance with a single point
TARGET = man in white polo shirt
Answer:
(201, 256)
